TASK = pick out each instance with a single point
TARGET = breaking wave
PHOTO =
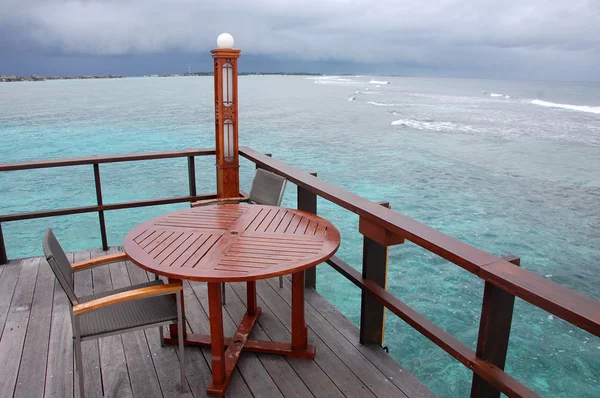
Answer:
(580, 108)
(378, 82)
(380, 103)
(432, 126)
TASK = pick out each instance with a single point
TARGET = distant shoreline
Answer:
(37, 78)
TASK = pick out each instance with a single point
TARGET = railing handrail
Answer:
(500, 275)
(42, 164)
(580, 310)
(101, 207)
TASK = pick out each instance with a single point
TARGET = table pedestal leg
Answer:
(251, 297)
(224, 360)
(299, 329)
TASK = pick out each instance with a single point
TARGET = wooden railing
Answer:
(100, 207)
(504, 280)
(382, 227)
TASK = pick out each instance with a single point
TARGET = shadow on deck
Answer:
(36, 351)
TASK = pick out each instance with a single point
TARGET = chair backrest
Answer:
(60, 264)
(267, 188)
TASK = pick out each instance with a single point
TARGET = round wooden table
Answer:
(236, 243)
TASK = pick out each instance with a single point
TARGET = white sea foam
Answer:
(378, 82)
(380, 104)
(323, 77)
(580, 108)
(432, 126)
(496, 95)
(351, 99)
(356, 92)
(378, 85)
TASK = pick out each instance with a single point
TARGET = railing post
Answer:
(494, 332)
(375, 267)
(307, 201)
(100, 212)
(192, 175)
(3, 256)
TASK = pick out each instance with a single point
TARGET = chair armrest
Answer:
(110, 258)
(219, 201)
(135, 294)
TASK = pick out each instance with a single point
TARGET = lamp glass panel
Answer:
(227, 75)
(228, 140)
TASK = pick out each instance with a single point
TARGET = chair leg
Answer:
(79, 359)
(161, 331)
(180, 326)
(223, 292)
(281, 282)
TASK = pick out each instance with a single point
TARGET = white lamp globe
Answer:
(225, 40)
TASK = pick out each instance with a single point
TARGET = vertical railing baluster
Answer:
(3, 256)
(494, 332)
(372, 313)
(266, 154)
(192, 175)
(307, 201)
(100, 211)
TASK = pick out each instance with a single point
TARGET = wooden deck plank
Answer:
(279, 369)
(59, 370)
(402, 378)
(255, 375)
(32, 371)
(345, 380)
(115, 377)
(142, 375)
(309, 372)
(165, 360)
(376, 381)
(90, 351)
(134, 364)
(15, 329)
(8, 282)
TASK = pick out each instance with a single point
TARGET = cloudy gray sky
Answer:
(528, 39)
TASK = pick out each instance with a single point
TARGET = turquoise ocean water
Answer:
(510, 167)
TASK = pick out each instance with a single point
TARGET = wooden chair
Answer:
(117, 311)
(267, 189)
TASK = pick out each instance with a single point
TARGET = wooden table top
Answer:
(231, 242)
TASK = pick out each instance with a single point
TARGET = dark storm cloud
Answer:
(469, 34)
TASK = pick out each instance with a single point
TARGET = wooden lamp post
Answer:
(226, 112)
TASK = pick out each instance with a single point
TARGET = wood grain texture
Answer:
(32, 371)
(110, 258)
(231, 242)
(13, 336)
(219, 201)
(135, 363)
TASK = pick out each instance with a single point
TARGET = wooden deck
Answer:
(36, 355)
